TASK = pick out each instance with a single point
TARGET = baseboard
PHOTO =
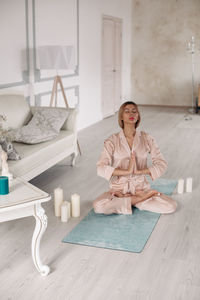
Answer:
(163, 105)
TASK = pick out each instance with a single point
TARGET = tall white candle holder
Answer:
(58, 199)
(64, 211)
(191, 50)
(189, 185)
(180, 188)
(75, 200)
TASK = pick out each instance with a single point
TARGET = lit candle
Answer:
(75, 199)
(180, 186)
(189, 185)
(58, 199)
(64, 211)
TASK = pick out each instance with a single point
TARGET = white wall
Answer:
(87, 82)
(161, 64)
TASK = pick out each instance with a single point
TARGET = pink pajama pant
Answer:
(109, 204)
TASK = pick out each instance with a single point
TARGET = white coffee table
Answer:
(25, 200)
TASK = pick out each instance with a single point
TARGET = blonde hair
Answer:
(121, 110)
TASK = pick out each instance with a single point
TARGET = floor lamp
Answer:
(57, 58)
(191, 50)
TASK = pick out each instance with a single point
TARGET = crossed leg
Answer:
(142, 195)
(119, 203)
(162, 204)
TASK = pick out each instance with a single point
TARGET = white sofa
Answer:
(37, 158)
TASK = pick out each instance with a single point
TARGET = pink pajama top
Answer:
(116, 154)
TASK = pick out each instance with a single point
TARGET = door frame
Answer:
(112, 18)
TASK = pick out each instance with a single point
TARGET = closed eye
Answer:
(130, 111)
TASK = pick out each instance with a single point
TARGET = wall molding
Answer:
(39, 95)
(25, 73)
(37, 74)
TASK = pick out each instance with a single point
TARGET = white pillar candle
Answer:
(58, 199)
(69, 209)
(180, 186)
(75, 199)
(189, 185)
(64, 211)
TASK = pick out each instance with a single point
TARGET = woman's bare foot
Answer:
(143, 195)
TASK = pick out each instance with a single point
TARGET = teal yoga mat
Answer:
(119, 232)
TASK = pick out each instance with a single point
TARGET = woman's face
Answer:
(130, 115)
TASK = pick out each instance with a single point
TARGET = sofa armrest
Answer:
(70, 123)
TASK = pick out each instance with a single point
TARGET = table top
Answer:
(21, 192)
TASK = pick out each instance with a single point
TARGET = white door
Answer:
(111, 65)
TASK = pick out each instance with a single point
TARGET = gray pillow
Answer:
(44, 126)
(8, 147)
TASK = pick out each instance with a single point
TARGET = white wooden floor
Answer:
(169, 266)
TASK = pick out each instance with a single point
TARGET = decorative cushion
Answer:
(45, 125)
(8, 147)
(16, 109)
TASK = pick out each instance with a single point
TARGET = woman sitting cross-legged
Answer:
(123, 162)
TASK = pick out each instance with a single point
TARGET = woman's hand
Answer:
(129, 170)
(131, 163)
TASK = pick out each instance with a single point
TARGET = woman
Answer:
(123, 162)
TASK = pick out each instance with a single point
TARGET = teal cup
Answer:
(4, 187)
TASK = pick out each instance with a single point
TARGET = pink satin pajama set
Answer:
(116, 154)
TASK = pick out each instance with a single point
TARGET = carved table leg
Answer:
(40, 227)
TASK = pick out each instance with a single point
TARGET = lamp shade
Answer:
(56, 57)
